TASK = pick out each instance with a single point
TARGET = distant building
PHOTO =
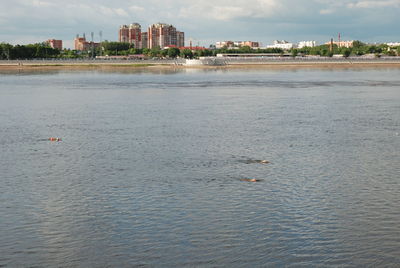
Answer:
(347, 44)
(157, 35)
(236, 44)
(251, 44)
(227, 44)
(131, 34)
(83, 45)
(192, 48)
(393, 44)
(307, 44)
(144, 40)
(123, 34)
(57, 44)
(162, 35)
(283, 44)
(135, 35)
(180, 42)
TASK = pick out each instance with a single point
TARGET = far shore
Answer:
(109, 65)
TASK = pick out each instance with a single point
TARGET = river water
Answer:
(154, 166)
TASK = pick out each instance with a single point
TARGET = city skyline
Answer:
(206, 22)
(156, 35)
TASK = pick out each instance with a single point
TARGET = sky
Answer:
(203, 21)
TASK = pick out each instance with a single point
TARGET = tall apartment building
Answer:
(163, 35)
(123, 34)
(144, 40)
(158, 35)
(131, 34)
(135, 35)
(180, 39)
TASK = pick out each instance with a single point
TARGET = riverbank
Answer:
(163, 64)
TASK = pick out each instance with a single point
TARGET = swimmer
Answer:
(250, 180)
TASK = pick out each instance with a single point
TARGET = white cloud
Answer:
(107, 11)
(375, 4)
(136, 9)
(327, 11)
(204, 19)
(38, 3)
(228, 10)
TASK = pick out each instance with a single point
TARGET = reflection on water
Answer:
(163, 168)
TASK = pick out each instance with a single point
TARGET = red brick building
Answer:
(123, 34)
(131, 34)
(157, 35)
(162, 35)
(57, 44)
(83, 45)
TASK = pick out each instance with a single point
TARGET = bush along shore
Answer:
(117, 49)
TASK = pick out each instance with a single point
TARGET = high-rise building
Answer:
(180, 39)
(135, 35)
(131, 34)
(57, 44)
(158, 35)
(144, 40)
(123, 34)
(162, 35)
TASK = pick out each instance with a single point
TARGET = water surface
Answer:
(154, 168)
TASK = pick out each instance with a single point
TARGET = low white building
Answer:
(236, 44)
(307, 44)
(393, 44)
(282, 45)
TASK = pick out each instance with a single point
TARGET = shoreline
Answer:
(292, 64)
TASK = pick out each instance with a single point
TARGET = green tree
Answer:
(164, 53)
(294, 53)
(155, 52)
(146, 51)
(69, 54)
(245, 49)
(315, 51)
(358, 44)
(398, 51)
(390, 52)
(115, 48)
(173, 52)
(133, 51)
(6, 50)
(346, 53)
(187, 53)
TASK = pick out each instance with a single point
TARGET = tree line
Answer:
(358, 49)
(31, 51)
(43, 50)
